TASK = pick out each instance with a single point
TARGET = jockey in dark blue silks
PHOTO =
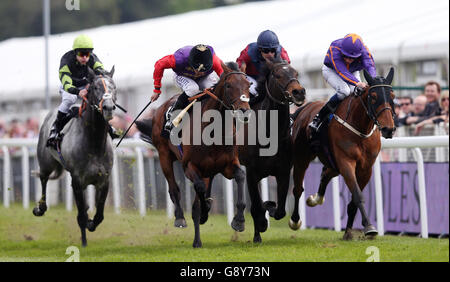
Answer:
(252, 58)
(345, 58)
(73, 73)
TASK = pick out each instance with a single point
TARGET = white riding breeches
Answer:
(67, 100)
(343, 89)
(192, 87)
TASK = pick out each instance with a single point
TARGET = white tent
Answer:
(391, 29)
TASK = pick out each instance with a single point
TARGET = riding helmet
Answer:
(83, 42)
(200, 58)
(352, 45)
(267, 39)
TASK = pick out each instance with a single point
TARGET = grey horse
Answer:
(85, 151)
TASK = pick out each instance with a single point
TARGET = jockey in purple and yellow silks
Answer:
(345, 58)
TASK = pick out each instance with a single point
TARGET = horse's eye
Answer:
(392, 95)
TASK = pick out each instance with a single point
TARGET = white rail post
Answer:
(25, 178)
(169, 205)
(422, 192)
(116, 183)
(6, 176)
(228, 187)
(302, 207)
(265, 195)
(153, 183)
(336, 204)
(379, 196)
(69, 192)
(141, 181)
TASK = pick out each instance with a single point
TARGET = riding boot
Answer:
(181, 103)
(58, 125)
(327, 109)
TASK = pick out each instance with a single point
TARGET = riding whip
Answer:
(177, 120)
(128, 129)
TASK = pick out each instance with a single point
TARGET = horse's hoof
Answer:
(370, 232)
(90, 225)
(180, 223)
(315, 200)
(257, 239)
(348, 236)
(38, 212)
(295, 225)
(197, 244)
(238, 224)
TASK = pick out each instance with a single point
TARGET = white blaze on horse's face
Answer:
(107, 105)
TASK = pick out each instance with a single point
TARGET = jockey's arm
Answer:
(65, 76)
(165, 62)
(217, 65)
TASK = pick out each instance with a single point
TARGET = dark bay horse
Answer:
(85, 151)
(201, 162)
(354, 142)
(278, 88)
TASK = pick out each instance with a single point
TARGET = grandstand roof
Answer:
(305, 28)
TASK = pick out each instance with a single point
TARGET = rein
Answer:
(212, 95)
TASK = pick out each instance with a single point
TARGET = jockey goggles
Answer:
(268, 50)
(83, 53)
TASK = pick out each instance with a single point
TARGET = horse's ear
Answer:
(225, 68)
(91, 74)
(368, 77)
(111, 72)
(390, 76)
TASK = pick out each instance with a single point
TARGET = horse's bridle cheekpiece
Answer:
(287, 99)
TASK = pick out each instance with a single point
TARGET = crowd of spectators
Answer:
(431, 107)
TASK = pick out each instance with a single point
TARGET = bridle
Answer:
(369, 108)
(287, 98)
(97, 106)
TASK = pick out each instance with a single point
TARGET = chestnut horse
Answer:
(277, 88)
(202, 162)
(354, 142)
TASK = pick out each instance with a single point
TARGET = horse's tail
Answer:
(145, 127)
(54, 175)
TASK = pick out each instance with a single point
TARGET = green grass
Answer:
(129, 237)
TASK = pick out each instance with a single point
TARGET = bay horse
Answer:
(85, 151)
(354, 144)
(277, 88)
(202, 162)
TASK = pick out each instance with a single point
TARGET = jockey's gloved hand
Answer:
(156, 93)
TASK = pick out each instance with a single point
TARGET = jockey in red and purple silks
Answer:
(252, 58)
(196, 68)
(344, 59)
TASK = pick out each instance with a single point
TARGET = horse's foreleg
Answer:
(82, 216)
(200, 190)
(174, 190)
(256, 210)
(351, 212)
(196, 213)
(100, 199)
(348, 172)
(299, 174)
(238, 222)
(42, 206)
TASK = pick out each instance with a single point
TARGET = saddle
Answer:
(319, 144)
